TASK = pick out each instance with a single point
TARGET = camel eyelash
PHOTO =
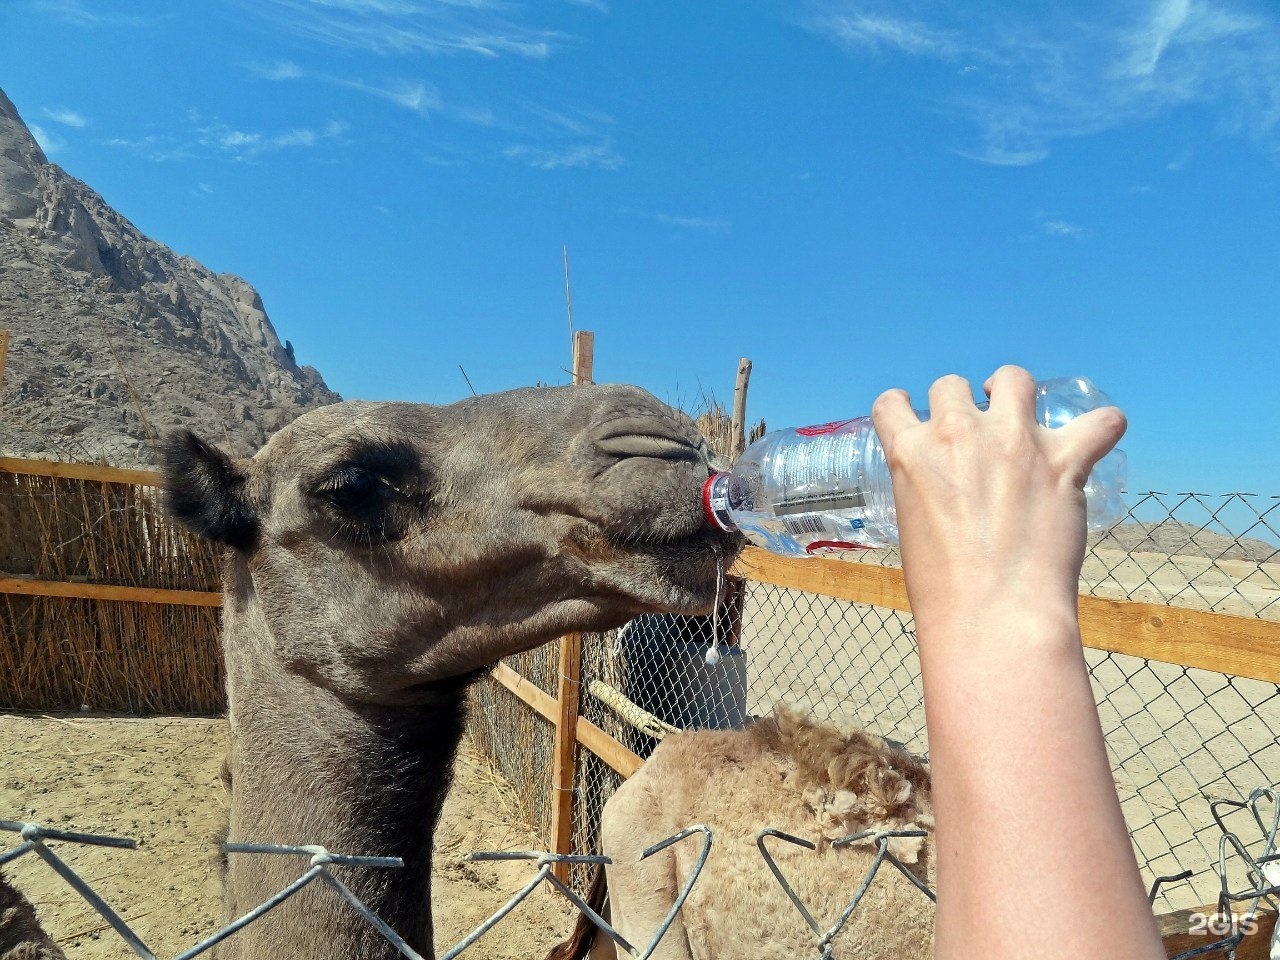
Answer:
(391, 464)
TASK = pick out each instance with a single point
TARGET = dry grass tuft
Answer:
(716, 424)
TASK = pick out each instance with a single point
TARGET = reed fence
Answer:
(104, 603)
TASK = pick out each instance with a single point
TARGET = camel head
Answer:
(382, 546)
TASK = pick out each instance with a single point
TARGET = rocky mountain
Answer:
(115, 338)
(1185, 540)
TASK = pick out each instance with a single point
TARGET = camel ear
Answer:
(204, 491)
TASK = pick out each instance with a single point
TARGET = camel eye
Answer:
(352, 488)
(373, 495)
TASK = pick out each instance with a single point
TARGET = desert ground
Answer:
(156, 779)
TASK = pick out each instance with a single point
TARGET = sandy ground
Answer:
(156, 780)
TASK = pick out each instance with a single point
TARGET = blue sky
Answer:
(855, 194)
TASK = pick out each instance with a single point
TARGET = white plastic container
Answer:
(808, 490)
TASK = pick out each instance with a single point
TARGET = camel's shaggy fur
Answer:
(798, 776)
(21, 937)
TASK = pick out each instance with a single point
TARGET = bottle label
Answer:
(806, 523)
(822, 503)
(818, 429)
(815, 523)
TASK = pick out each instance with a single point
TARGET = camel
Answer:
(380, 556)
(21, 936)
(794, 775)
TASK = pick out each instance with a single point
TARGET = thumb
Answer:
(1090, 437)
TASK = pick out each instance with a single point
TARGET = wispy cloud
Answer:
(1026, 83)
(564, 138)
(153, 147)
(275, 70)
(709, 224)
(870, 31)
(50, 143)
(412, 95)
(578, 123)
(600, 156)
(1061, 228)
(78, 13)
(396, 27)
(213, 137)
(246, 145)
(68, 118)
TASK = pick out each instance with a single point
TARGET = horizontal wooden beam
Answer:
(1183, 930)
(542, 702)
(856, 582)
(614, 754)
(589, 735)
(1222, 642)
(79, 471)
(103, 591)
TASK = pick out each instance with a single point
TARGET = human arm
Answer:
(1034, 858)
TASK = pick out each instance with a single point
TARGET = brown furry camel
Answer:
(795, 775)
(21, 936)
(382, 555)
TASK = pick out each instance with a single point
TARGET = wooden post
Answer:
(569, 683)
(4, 354)
(738, 443)
(584, 353)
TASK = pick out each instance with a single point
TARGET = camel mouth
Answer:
(715, 543)
(689, 569)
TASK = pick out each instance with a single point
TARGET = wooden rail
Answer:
(1183, 930)
(1224, 643)
(589, 735)
(79, 471)
(103, 591)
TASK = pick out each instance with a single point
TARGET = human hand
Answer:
(991, 508)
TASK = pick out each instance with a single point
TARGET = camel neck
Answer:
(310, 768)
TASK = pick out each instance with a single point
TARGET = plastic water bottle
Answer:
(826, 488)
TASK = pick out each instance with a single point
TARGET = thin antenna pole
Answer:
(568, 294)
(468, 379)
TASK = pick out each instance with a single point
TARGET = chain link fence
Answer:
(1179, 738)
(1243, 872)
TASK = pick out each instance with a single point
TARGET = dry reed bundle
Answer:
(59, 653)
(516, 738)
(716, 424)
(96, 532)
